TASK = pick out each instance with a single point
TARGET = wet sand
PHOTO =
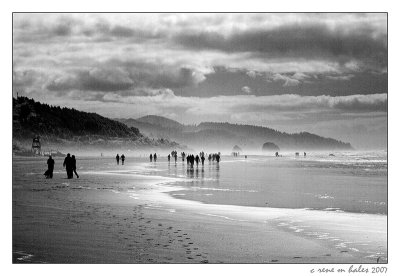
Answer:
(61, 221)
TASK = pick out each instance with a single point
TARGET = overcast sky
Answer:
(322, 73)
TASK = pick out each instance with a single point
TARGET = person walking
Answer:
(117, 158)
(151, 157)
(50, 167)
(155, 157)
(73, 160)
(123, 158)
(68, 166)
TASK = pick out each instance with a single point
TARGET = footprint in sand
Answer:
(170, 227)
(274, 261)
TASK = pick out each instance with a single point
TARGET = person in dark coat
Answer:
(50, 167)
(68, 166)
(123, 159)
(117, 158)
(74, 165)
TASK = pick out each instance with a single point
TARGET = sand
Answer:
(61, 221)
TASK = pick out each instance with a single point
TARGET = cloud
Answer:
(341, 78)
(96, 79)
(312, 41)
(286, 80)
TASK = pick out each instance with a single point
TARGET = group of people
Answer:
(214, 157)
(153, 157)
(190, 159)
(304, 154)
(69, 165)
(122, 158)
(174, 155)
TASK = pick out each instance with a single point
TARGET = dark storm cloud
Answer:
(92, 80)
(158, 75)
(115, 75)
(296, 41)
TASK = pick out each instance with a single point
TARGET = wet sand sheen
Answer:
(61, 221)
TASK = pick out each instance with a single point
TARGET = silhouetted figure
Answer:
(68, 166)
(191, 160)
(276, 154)
(123, 159)
(176, 157)
(202, 159)
(73, 160)
(151, 157)
(155, 157)
(217, 157)
(169, 157)
(50, 167)
(197, 159)
(305, 154)
(117, 158)
(209, 157)
(297, 154)
(245, 156)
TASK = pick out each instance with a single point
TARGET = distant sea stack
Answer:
(269, 146)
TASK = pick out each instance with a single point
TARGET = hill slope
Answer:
(223, 136)
(160, 121)
(65, 126)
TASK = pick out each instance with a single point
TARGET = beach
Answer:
(160, 212)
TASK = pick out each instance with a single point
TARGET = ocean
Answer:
(347, 182)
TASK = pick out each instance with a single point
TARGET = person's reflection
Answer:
(197, 172)
(202, 177)
(190, 172)
(217, 173)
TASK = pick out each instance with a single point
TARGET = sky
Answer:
(321, 73)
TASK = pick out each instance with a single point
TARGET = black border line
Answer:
(164, 12)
